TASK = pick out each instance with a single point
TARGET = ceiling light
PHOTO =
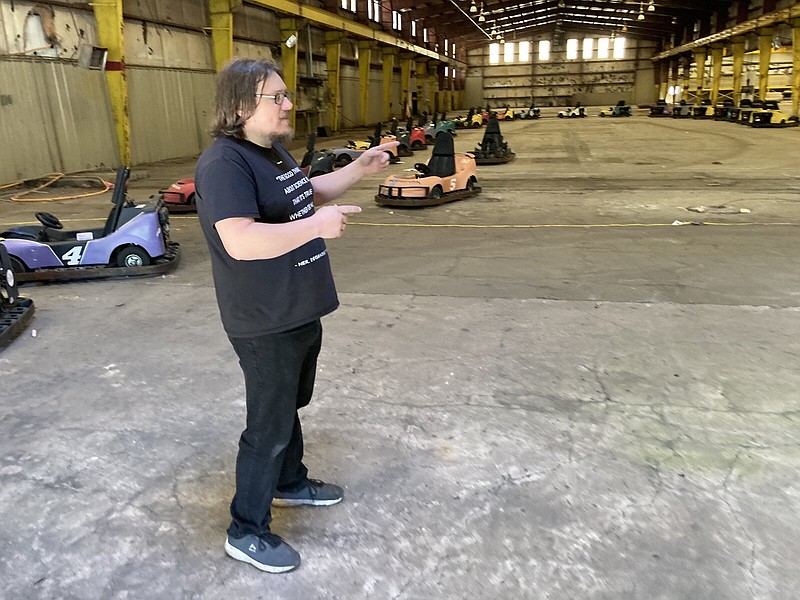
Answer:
(651, 7)
(641, 12)
(473, 8)
(624, 27)
(481, 18)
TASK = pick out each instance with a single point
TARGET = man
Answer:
(273, 283)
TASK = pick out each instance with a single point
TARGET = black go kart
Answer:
(15, 312)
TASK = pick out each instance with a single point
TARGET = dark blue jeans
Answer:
(279, 374)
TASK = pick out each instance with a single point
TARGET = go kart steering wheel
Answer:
(49, 220)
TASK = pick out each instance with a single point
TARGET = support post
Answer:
(716, 71)
(364, 62)
(333, 47)
(764, 58)
(221, 19)
(795, 67)
(289, 28)
(422, 87)
(389, 55)
(700, 60)
(108, 15)
(405, 84)
(738, 66)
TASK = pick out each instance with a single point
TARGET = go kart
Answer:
(661, 109)
(722, 111)
(447, 176)
(507, 114)
(619, 110)
(179, 197)
(133, 241)
(703, 111)
(416, 135)
(434, 128)
(473, 119)
(531, 113)
(772, 116)
(746, 112)
(682, 111)
(316, 162)
(493, 150)
(15, 312)
(572, 113)
(403, 139)
(354, 149)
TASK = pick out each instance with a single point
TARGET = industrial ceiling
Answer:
(472, 23)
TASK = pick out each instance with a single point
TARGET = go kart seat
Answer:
(492, 138)
(443, 159)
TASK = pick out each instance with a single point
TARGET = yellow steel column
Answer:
(333, 48)
(716, 71)
(389, 54)
(289, 29)
(108, 15)
(433, 85)
(405, 84)
(687, 80)
(663, 79)
(764, 57)
(700, 60)
(738, 66)
(796, 67)
(422, 87)
(221, 18)
(364, 59)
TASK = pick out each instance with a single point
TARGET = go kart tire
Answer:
(343, 160)
(471, 185)
(131, 256)
(436, 192)
(417, 145)
(17, 265)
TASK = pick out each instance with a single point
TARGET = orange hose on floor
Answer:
(52, 178)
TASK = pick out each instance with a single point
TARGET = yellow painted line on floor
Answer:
(492, 226)
(564, 225)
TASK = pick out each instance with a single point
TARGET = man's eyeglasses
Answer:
(277, 98)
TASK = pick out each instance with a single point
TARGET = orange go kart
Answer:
(447, 176)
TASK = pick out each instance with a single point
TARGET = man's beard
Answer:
(280, 138)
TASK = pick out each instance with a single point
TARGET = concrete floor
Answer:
(546, 391)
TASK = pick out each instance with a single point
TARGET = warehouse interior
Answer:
(578, 382)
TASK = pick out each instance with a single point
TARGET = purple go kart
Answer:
(134, 241)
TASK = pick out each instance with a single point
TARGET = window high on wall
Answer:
(508, 52)
(397, 21)
(494, 54)
(544, 50)
(524, 51)
(588, 48)
(619, 47)
(602, 48)
(572, 49)
(374, 10)
(349, 5)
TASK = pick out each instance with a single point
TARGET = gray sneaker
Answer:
(314, 493)
(267, 552)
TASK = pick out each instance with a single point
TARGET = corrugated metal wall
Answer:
(170, 112)
(54, 117)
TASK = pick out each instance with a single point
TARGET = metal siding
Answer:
(54, 117)
(169, 113)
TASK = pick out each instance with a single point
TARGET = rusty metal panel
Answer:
(55, 117)
(170, 112)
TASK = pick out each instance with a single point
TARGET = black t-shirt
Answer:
(236, 178)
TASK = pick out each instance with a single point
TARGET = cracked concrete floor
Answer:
(592, 404)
